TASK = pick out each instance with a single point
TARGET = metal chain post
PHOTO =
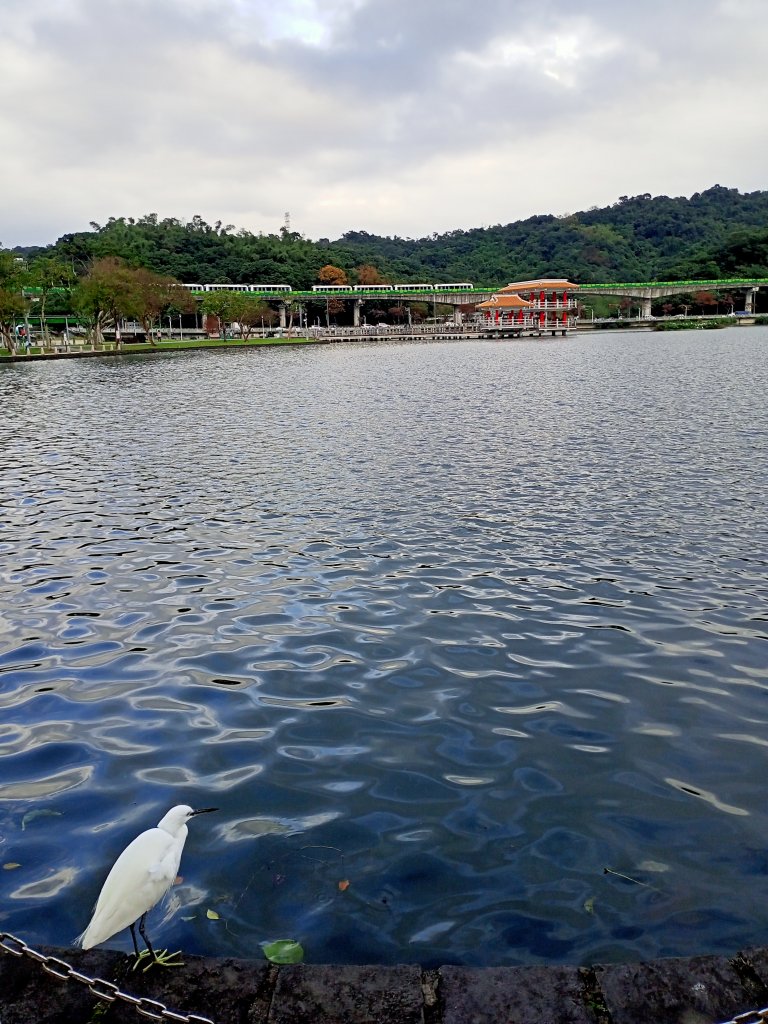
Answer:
(104, 990)
(750, 1017)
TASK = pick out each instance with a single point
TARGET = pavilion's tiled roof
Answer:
(504, 302)
(556, 284)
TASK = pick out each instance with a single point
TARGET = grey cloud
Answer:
(144, 102)
(402, 59)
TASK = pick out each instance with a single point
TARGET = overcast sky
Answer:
(390, 116)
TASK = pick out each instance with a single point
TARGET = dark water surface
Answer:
(462, 624)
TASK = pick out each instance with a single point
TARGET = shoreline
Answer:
(698, 990)
(448, 334)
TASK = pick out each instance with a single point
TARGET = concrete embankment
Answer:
(699, 990)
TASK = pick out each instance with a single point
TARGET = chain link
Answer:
(108, 992)
(104, 990)
(750, 1017)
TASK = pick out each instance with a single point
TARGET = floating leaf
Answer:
(43, 812)
(212, 915)
(283, 951)
(344, 885)
(11, 865)
(589, 905)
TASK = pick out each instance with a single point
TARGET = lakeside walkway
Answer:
(346, 334)
(329, 335)
(697, 990)
(142, 348)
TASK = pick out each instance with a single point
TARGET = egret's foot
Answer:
(138, 957)
(165, 959)
(160, 957)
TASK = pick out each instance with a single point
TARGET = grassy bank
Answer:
(140, 348)
(693, 325)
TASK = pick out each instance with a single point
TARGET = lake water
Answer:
(462, 625)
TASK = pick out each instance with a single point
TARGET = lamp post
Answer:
(685, 309)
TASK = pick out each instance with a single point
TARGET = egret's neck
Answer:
(174, 826)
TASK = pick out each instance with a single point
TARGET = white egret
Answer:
(139, 878)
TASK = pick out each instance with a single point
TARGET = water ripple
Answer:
(459, 624)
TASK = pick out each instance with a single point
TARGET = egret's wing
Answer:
(139, 878)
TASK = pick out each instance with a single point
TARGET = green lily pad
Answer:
(283, 951)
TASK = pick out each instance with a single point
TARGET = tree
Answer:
(367, 274)
(12, 303)
(46, 274)
(151, 295)
(112, 291)
(249, 311)
(705, 299)
(103, 297)
(220, 305)
(331, 275)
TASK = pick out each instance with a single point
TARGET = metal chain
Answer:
(105, 990)
(109, 992)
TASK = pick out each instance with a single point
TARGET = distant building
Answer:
(531, 307)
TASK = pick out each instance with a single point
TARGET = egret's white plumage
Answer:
(140, 877)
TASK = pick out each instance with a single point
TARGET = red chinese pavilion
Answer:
(547, 305)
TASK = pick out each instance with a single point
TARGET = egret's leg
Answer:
(135, 943)
(144, 936)
(163, 958)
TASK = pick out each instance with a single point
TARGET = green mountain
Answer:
(716, 233)
(638, 238)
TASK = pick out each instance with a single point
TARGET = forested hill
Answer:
(715, 233)
(639, 238)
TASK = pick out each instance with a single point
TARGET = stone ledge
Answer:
(696, 990)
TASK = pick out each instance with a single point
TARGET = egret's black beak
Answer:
(204, 810)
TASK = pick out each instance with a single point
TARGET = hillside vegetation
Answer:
(716, 233)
